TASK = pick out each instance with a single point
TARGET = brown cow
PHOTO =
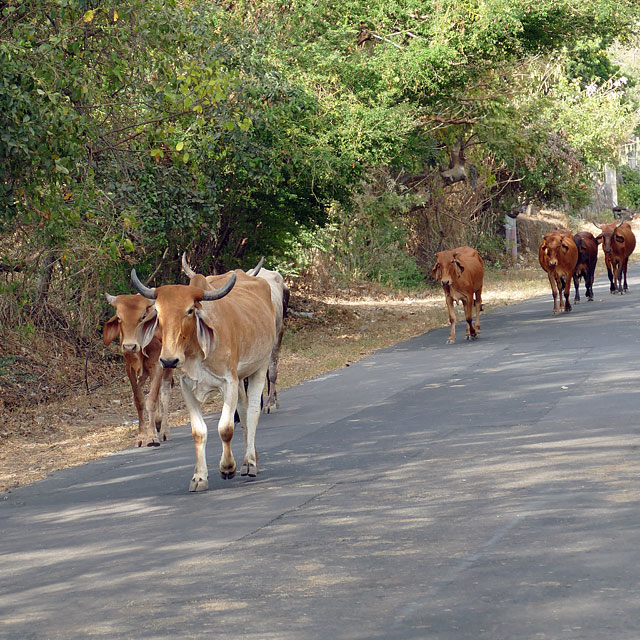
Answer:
(558, 256)
(618, 242)
(586, 266)
(460, 272)
(280, 297)
(141, 363)
(216, 339)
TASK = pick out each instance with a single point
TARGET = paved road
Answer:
(484, 490)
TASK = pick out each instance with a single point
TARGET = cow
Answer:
(618, 242)
(558, 256)
(280, 297)
(141, 363)
(460, 272)
(586, 266)
(216, 339)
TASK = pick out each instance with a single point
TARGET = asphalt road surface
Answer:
(482, 490)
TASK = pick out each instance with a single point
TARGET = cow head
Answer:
(179, 315)
(447, 268)
(609, 235)
(553, 246)
(130, 311)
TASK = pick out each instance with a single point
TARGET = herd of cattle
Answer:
(225, 332)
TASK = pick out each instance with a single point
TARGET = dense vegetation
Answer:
(133, 131)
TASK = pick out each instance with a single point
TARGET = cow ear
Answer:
(147, 328)
(599, 239)
(619, 238)
(110, 330)
(435, 272)
(205, 333)
(459, 266)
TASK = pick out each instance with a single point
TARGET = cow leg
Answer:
(165, 395)
(272, 375)
(617, 276)
(152, 405)
(566, 284)
(138, 399)
(452, 320)
(590, 278)
(554, 291)
(576, 283)
(612, 285)
(624, 271)
(478, 308)
(230, 392)
(254, 393)
(200, 479)
(468, 316)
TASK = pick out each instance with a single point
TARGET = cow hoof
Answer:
(228, 472)
(148, 442)
(198, 484)
(249, 469)
(451, 341)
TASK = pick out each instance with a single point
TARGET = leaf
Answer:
(115, 16)
(60, 168)
(180, 146)
(185, 157)
(88, 16)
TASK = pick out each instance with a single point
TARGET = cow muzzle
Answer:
(445, 283)
(129, 347)
(169, 363)
(553, 263)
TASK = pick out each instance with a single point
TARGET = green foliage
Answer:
(133, 132)
(629, 188)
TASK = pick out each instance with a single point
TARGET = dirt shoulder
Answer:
(72, 411)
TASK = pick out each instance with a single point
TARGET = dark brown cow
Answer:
(460, 272)
(558, 256)
(587, 247)
(618, 243)
(216, 339)
(141, 363)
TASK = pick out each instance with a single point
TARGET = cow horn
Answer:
(140, 288)
(221, 292)
(189, 272)
(256, 270)
(619, 223)
(110, 299)
(595, 224)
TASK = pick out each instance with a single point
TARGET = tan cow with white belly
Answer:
(460, 272)
(280, 297)
(216, 339)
